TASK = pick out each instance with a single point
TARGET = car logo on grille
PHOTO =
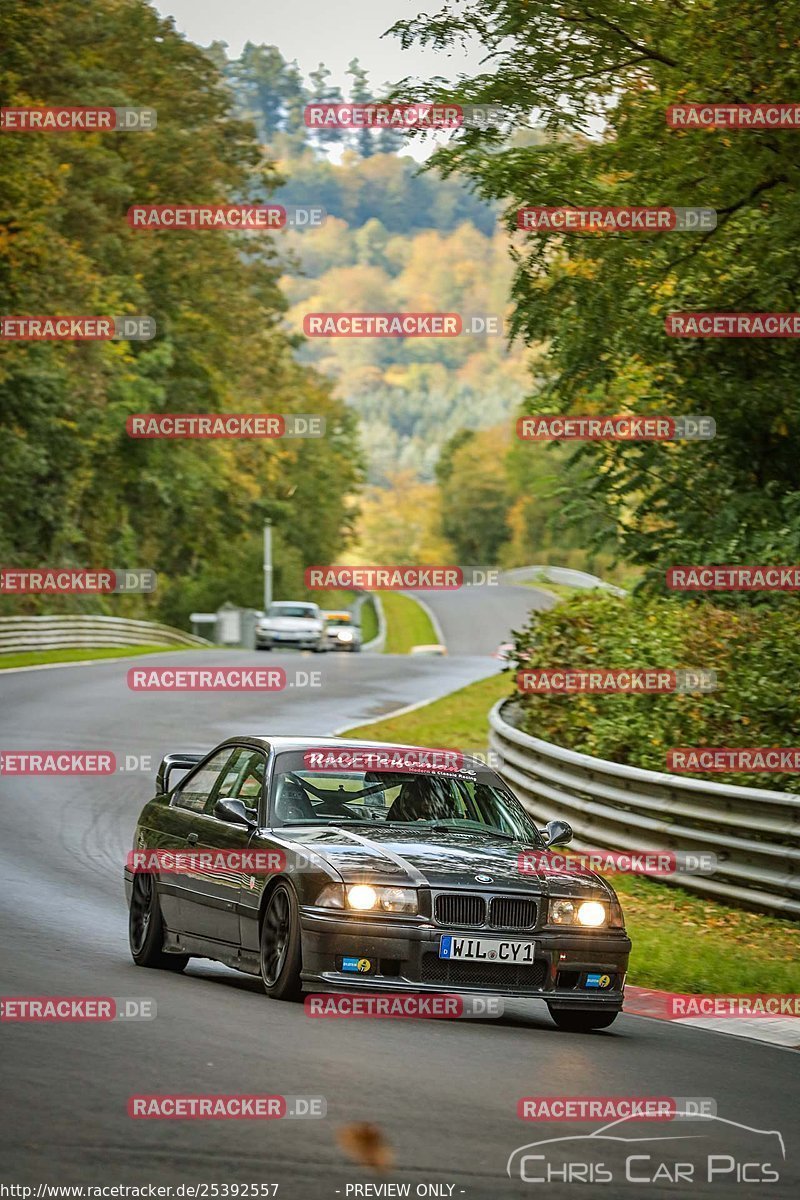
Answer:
(485, 878)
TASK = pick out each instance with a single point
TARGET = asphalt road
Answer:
(475, 620)
(443, 1093)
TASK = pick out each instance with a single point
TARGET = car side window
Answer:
(194, 794)
(229, 779)
(248, 781)
(251, 778)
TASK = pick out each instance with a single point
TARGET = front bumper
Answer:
(403, 957)
(298, 641)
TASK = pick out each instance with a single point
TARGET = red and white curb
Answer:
(778, 1031)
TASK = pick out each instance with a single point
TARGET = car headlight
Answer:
(588, 913)
(365, 898)
(398, 900)
(562, 912)
(331, 896)
(592, 914)
(345, 635)
(362, 897)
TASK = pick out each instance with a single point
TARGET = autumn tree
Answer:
(75, 489)
(598, 79)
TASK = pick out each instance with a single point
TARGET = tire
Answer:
(263, 647)
(280, 956)
(577, 1020)
(146, 928)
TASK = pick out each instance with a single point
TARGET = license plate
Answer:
(499, 950)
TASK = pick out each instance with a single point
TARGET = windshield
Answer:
(465, 800)
(337, 621)
(291, 610)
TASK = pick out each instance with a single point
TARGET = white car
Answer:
(342, 632)
(292, 623)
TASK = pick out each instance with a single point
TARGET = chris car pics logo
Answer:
(704, 1149)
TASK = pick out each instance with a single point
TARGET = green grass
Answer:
(35, 658)
(407, 624)
(369, 620)
(681, 942)
(457, 721)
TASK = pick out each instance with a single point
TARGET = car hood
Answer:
(290, 624)
(441, 860)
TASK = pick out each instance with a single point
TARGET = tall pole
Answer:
(267, 564)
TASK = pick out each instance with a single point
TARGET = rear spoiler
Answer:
(182, 761)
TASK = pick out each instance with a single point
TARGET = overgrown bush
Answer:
(754, 651)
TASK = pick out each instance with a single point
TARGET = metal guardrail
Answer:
(19, 634)
(374, 645)
(564, 575)
(755, 834)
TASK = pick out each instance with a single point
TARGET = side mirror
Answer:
(556, 833)
(234, 812)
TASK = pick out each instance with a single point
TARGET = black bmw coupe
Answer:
(328, 866)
